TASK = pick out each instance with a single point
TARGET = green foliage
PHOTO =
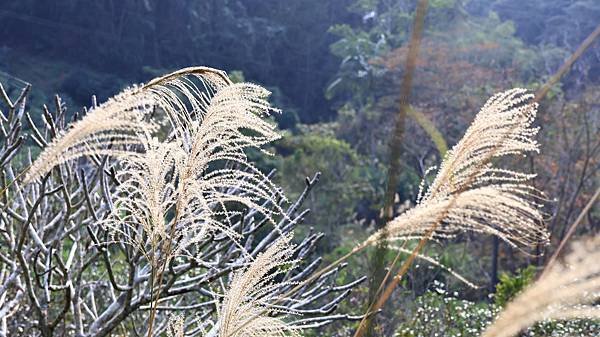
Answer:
(555, 24)
(510, 286)
(277, 43)
(463, 59)
(343, 184)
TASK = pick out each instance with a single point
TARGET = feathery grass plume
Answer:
(502, 127)
(501, 210)
(185, 94)
(108, 128)
(196, 178)
(178, 192)
(469, 193)
(115, 122)
(566, 292)
(246, 310)
(145, 198)
(232, 123)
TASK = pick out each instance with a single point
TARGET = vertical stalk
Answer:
(495, 251)
(571, 231)
(377, 264)
(167, 252)
(152, 284)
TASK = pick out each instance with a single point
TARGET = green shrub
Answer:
(510, 286)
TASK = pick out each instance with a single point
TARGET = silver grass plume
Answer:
(232, 122)
(144, 200)
(185, 94)
(179, 191)
(196, 178)
(145, 196)
(246, 310)
(116, 122)
(112, 126)
(469, 193)
(566, 292)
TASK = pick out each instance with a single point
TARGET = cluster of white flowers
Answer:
(439, 314)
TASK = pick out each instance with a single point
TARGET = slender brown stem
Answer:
(389, 289)
(154, 309)
(405, 90)
(152, 284)
(167, 252)
(389, 273)
(154, 299)
(377, 280)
